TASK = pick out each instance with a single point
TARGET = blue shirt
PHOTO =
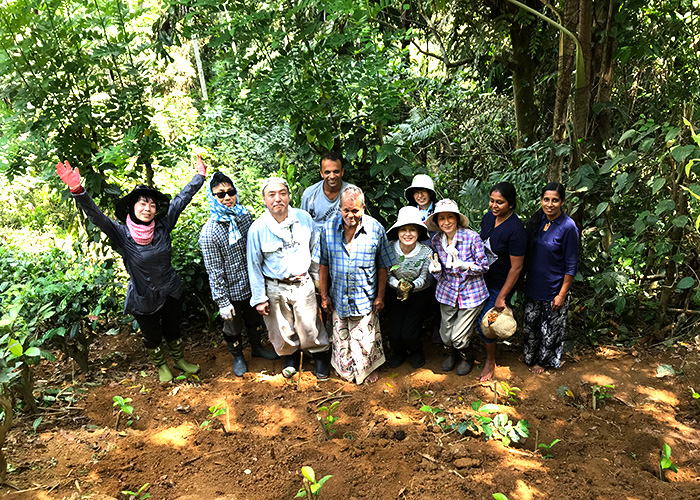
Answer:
(278, 250)
(354, 273)
(509, 238)
(554, 254)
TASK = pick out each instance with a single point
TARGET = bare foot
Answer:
(372, 378)
(487, 372)
(537, 369)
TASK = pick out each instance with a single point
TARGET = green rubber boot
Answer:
(157, 356)
(177, 352)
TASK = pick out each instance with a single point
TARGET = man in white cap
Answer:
(280, 242)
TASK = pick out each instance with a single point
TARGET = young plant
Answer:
(214, 411)
(696, 397)
(548, 448)
(499, 427)
(311, 488)
(433, 412)
(500, 496)
(511, 393)
(600, 393)
(125, 408)
(328, 420)
(188, 377)
(665, 462)
(138, 495)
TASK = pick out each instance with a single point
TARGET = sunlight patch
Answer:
(173, 436)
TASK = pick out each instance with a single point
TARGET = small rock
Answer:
(665, 371)
(466, 463)
(400, 435)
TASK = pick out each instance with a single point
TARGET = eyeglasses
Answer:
(222, 194)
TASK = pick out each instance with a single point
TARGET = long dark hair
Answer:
(533, 225)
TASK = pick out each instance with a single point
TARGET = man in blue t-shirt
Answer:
(321, 200)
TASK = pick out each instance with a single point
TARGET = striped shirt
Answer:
(354, 273)
(461, 288)
(226, 264)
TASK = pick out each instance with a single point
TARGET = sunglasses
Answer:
(222, 194)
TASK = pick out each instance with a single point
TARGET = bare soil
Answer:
(383, 447)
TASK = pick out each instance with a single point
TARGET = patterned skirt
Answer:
(357, 346)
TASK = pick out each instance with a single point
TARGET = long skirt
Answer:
(357, 346)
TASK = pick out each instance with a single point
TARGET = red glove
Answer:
(70, 176)
(201, 167)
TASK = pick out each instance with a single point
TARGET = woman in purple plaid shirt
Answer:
(459, 267)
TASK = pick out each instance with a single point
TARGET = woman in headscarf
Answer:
(223, 241)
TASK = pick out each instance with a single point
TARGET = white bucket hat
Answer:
(442, 206)
(408, 216)
(420, 181)
(498, 325)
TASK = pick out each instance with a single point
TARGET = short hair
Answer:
(274, 180)
(353, 192)
(218, 178)
(332, 156)
(507, 190)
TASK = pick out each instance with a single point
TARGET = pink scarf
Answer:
(142, 235)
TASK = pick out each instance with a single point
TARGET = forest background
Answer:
(601, 95)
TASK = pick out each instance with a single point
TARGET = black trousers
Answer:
(164, 323)
(245, 315)
(405, 321)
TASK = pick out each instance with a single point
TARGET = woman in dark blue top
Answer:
(502, 229)
(552, 263)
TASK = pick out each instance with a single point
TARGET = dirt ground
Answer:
(384, 446)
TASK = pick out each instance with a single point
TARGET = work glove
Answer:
(434, 266)
(70, 176)
(201, 167)
(227, 313)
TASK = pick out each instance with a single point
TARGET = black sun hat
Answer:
(125, 204)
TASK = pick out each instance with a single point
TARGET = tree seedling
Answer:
(433, 412)
(600, 393)
(696, 397)
(311, 488)
(125, 408)
(138, 495)
(328, 420)
(188, 377)
(214, 411)
(548, 448)
(665, 462)
(500, 496)
(511, 393)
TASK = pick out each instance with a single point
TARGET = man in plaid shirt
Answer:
(223, 244)
(354, 254)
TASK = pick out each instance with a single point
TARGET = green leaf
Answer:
(308, 473)
(681, 221)
(490, 408)
(626, 135)
(301, 493)
(680, 153)
(666, 463)
(600, 209)
(427, 408)
(324, 479)
(476, 404)
(658, 183)
(500, 496)
(32, 352)
(684, 284)
(15, 348)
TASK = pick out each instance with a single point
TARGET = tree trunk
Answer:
(567, 49)
(200, 69)
(602, 71)
(582, 98)
(523, 67)
(6, 405)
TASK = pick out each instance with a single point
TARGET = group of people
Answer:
(319, 276)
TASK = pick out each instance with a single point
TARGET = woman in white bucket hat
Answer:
(408, 294)
(458, 267)
(421, 194)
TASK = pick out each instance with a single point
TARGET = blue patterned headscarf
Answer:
(222, 213)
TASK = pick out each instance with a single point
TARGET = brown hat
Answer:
(498, 325)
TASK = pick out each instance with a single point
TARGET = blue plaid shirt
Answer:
(225, 263)
(354, 274)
